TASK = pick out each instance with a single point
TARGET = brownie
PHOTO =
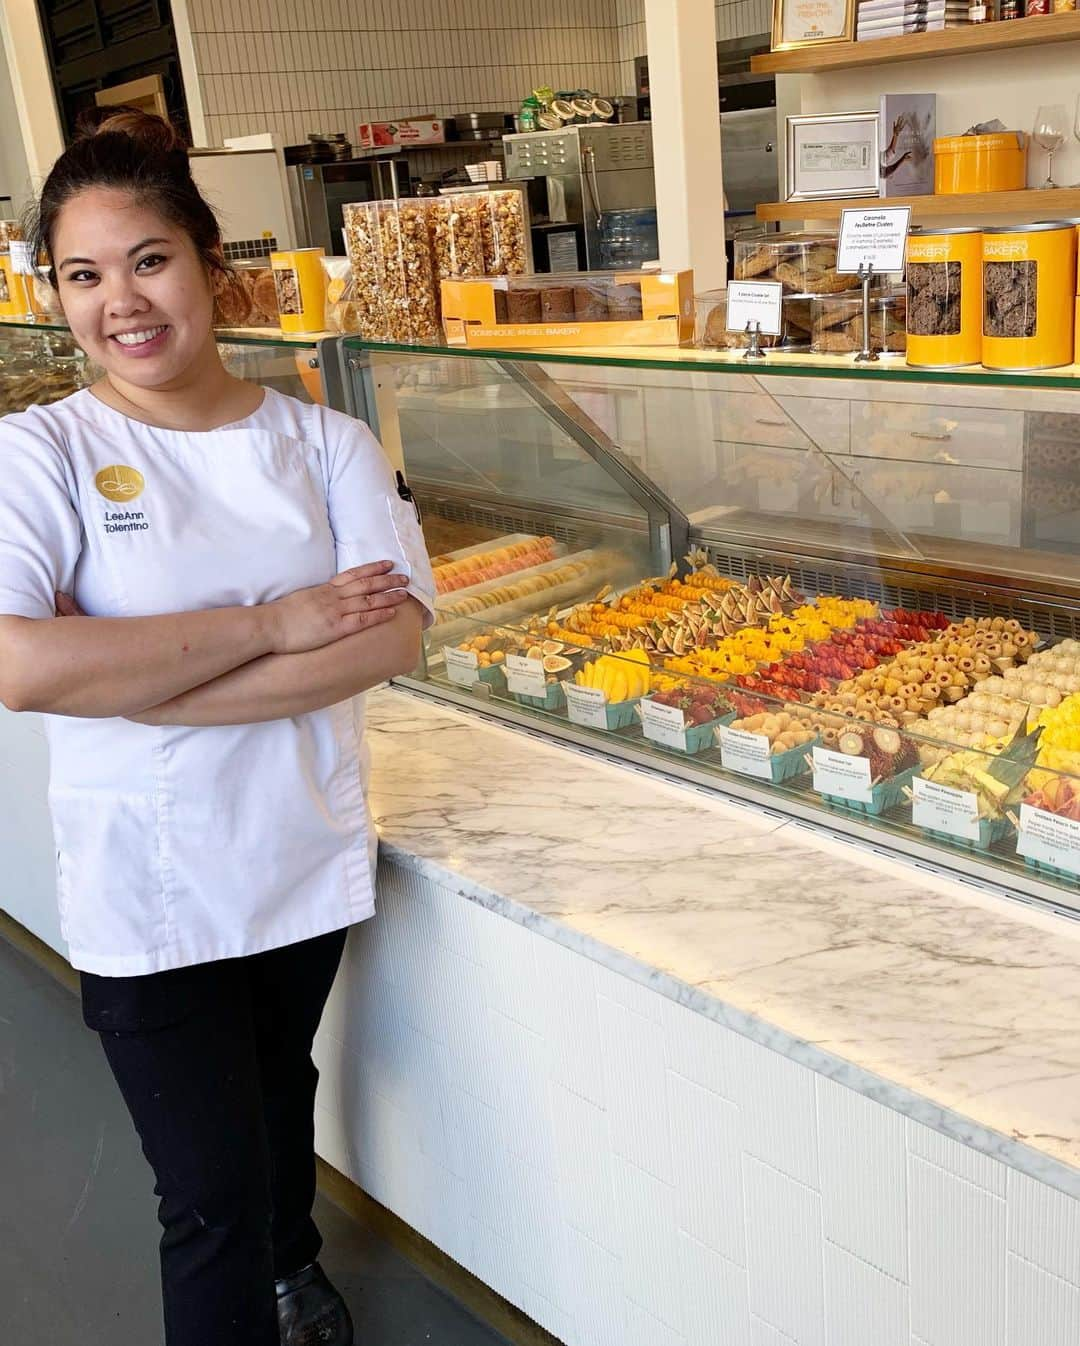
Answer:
(557, 303)
(523, 305)
(590, 303)
(500, 306)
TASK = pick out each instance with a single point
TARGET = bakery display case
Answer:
(852, 596)
(40, 362)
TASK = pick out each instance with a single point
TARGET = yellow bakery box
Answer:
(588, 308)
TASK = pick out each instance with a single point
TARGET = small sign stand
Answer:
(867, 354)
(754, 351)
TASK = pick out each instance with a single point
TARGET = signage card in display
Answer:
(461, 666)
(665, 725)
(836, 773)
(525, 676)
(1049, 839)
(747, 753)
(22, 257)
(943, 809)
(876, 237)
(586, 706)
(750, 302)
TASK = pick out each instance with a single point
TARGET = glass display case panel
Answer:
(873, 626)
(524, 500)
(38, 364)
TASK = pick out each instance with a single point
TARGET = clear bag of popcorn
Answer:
(457, 235)
(506, 244)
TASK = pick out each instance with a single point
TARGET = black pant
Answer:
(214, 1062)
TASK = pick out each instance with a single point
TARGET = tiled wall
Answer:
(630, 1173)
(296, 67)
(734, 18)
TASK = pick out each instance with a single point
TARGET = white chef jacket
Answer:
(184, 845)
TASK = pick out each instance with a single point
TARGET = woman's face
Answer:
(135, 291)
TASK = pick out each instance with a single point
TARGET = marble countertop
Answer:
(957, 1008)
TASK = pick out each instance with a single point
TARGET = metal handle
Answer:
(777, 425)
(934, 439)
(594, 186)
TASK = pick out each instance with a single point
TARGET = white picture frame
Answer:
(833, 154)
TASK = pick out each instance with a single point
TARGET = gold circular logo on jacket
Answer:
(119, 483)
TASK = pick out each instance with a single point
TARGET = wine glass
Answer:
(1076, 128)
(1049, 134)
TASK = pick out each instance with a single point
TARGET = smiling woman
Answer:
(197, 580)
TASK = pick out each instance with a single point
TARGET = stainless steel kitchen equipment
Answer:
(583, 171)
(317, 191)
(750, 159)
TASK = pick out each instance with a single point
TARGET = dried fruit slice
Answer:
(553, 647)
(851, 743)
(555, 663)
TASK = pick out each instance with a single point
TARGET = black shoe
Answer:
(311, 1312)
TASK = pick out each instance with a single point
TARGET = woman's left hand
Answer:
(67, 607)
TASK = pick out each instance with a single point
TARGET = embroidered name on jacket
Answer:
(130, 521)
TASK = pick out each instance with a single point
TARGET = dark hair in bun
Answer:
(132, 151)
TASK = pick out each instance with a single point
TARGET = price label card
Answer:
(1049, 839)
(749, 754)
(753, 302)
(876, 238)
(525, 676)
(586, 706)
(835, 773)
(943, 809)
(22, 257)
(461, 666)
(665, 725)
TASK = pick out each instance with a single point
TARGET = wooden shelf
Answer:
(1035, 205)
(1040, 30)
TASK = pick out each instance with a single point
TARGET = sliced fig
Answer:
(851, 743)
(887, 740)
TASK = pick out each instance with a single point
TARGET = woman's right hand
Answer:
(356, 599)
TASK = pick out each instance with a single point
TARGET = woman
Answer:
(246, 567)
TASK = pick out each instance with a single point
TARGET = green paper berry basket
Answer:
(700, 737)
(792, 763)
(887, 794)
(991, 831)
(554, 699)
(1065, 876)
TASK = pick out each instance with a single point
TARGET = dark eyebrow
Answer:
(89, 261)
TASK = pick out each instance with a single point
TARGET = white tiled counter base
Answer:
(631, 1173)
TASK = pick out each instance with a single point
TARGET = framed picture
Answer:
(810, 23)
(832, 154)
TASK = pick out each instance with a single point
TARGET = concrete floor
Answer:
(78, 1231)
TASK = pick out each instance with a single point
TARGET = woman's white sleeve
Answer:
(369, 518)
(40, 529)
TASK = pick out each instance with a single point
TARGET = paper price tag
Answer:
(665, 725)
(461, 666)
(749, 754)
(876, 238)
(835, 773)
(943, 809)
(755, 301)
(22, 257)
(1049, 839)
(586, 706)
(525, 676)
